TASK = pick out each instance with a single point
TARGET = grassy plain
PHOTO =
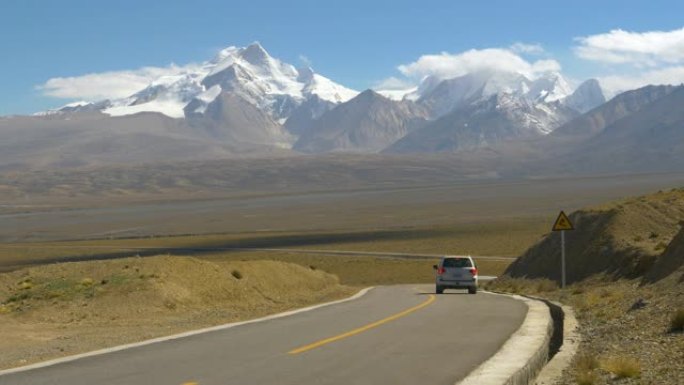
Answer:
(504, 238)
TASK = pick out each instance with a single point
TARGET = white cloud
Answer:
(393, 83)
(532, 49)
(106, 85)
(614, 84)
(635, 59)
(641, 49)
(446, 65)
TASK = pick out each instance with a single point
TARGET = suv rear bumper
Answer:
(456, 284)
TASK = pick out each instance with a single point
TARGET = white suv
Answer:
(456, 272)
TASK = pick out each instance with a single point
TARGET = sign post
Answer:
(562, 223)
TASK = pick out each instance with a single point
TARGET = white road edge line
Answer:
(517, 351)
(180, 335)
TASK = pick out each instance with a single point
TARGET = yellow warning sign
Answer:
(562, 223)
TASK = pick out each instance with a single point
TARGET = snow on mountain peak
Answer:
(249, 72)
(550, 87)
(328, 90)
(443, 95)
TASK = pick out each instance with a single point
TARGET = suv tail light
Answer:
(440, 271)
(473, 271)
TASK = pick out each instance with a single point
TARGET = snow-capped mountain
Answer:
(443, 96)
(271, 85)
(486, 122)
(245, 98)
(487, 108)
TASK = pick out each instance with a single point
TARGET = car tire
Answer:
(439, 290)
(472, 290)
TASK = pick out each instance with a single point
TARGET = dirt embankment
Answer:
(626, 266)
(671, 261)
(622, 239)
(62, 309)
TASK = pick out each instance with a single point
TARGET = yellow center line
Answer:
(362, 329)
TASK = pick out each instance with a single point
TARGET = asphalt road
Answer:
(392, 335)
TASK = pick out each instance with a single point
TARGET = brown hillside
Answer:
(620, 239)
(60, 309)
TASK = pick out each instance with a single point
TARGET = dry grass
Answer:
(473, 239)
(146, 282)
(586, 378)
(622, 366)
(75, 307)
(586, 362)
(585, 366)
(522, 286)
(499, 238)
(362, 270)
(619, 339)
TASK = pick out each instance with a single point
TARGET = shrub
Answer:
(87, 282)
(661, 246)
(18, 297)
(577, 290)
(544, 285)
(623, 367)
(677, 321)
(584, 365)
(237, 274)
(653, 235)
(638, 238)
(586, 378)
(586, 362)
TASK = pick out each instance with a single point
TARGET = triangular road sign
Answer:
(562, 223)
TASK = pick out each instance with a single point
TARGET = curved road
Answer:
(392, 335)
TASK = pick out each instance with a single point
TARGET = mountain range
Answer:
(244, 102)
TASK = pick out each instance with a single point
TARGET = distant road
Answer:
(392, 335)
(372, 253)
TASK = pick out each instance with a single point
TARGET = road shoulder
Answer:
(524, 353)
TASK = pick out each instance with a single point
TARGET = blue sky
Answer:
(356, 43)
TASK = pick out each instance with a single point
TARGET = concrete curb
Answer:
(56, 361)
(571, 339)
(525, 353)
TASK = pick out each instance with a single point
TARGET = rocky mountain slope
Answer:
(368, 123)
(621, 106)
(638, 131)
(497, 119)
(586, 97)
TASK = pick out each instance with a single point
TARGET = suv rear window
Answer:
(457, 262)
